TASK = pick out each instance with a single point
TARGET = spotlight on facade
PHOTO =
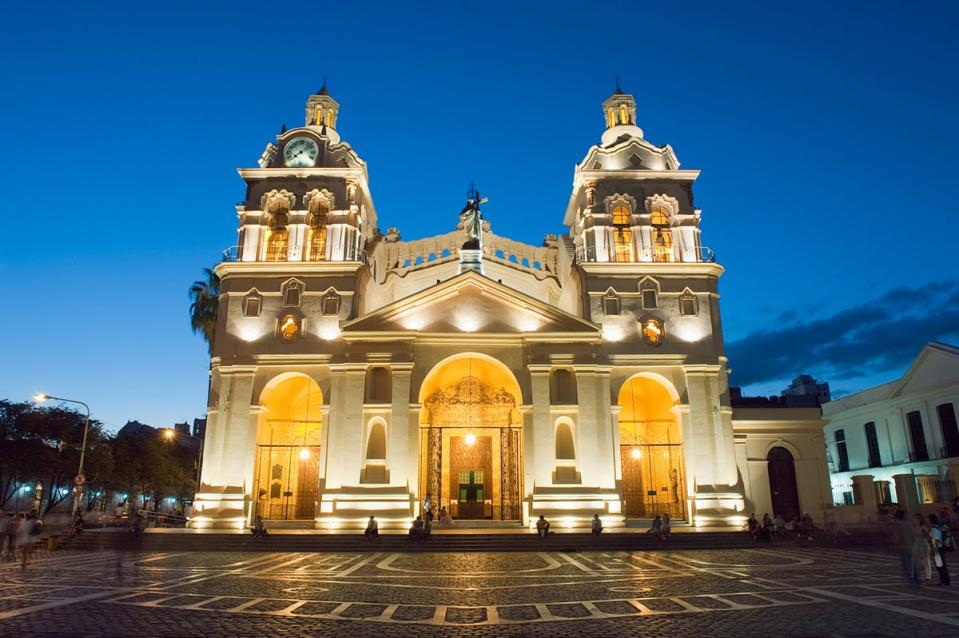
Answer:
(304, 454)
(636, 453)
(470, 438)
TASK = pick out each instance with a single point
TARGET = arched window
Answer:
(378, 388)
(565, 451)
(291, 293)
(376, 442)
(278, 236)
(662, 236)
(319, 211)
(622, 234)
(318, 117)
(611, 118)
(623, 114)
(562, 386)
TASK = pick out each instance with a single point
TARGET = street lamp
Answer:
(40, 397)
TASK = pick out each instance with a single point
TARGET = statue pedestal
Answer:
(471, 259)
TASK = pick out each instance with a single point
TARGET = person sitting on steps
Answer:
(597, 525)
(542, 527)
(259, 527)
(372, 529)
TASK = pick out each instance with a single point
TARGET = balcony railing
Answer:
(234, 254)
(647, 256)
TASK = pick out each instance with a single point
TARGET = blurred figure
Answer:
(921, 550)
(542, 527)
(445, 518)
(416, 529)
(259, 527)
(667, 526)
(372, 529)
(656, 527)
(30, 531)
(779, 526)
(597, 525)
(4, 527)
(938, 550)
(904, 539)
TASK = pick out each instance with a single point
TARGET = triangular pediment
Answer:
(470, 303)
(936, 365)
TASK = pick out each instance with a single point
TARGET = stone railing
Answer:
(403, 256)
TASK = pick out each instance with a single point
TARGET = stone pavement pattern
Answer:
(779, 590)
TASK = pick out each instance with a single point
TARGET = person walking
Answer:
(921, 550)
(597, 525)
(372, 529)
(904, 539)
(938, 550)
(30, 534)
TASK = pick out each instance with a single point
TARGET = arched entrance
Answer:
(288, 449)
(470, 429)
(651, 450)
(782, 483)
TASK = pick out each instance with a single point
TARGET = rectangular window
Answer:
(331, 304)
(841, 451)
(649, 299)
(292, 296)
(919, 450)
(687, 306)
(872, 444)
(950, 432)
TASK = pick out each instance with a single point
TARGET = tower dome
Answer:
(619, 112)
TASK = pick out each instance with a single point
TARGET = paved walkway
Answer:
(778, 590)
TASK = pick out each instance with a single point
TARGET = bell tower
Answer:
(321, 109)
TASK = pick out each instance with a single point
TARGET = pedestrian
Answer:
(542, 527)
(259, 527)
(766, 531)
(667, 526)
(806, 526)
(30, 532)
(372, 529)
(904, 538)
(427, 528)
(13, 536)
(4, 528)
(656, 527)
(77, 522)
(944, 519)
(938, 550)
(921, 550)
(597, 525)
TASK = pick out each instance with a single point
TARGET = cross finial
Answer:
(323, 90)
(618, 90)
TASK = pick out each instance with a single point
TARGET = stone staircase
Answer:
(474, 541)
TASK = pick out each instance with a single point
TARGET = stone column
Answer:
(907, 494)
(592, 386)
(401, 438)
(865, 493)
(538, 440)
(347, 384)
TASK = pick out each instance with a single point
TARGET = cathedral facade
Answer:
(356, 373)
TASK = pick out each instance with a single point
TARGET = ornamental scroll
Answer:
(470, 402)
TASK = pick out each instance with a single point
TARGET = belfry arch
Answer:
(651, 448)
(288, 436)
(470, 438)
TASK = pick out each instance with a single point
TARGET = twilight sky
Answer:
(826, 135)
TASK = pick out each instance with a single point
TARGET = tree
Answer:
(43, 445)
(205, 299)
(145, 464)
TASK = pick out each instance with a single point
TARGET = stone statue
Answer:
(473, 220)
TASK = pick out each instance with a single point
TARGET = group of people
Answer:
(18, 533)
(661, 527)
(801, 528)
(923, 544)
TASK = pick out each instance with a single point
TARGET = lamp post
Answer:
(40, 397)
(170, 433)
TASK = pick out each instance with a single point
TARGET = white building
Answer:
(354, 372)
(905, 427)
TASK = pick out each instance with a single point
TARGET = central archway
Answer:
(470, 438)
(651, 449)
(289, 432)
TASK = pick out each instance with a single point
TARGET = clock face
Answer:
(300, 151)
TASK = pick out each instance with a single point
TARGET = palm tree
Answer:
(205, 295)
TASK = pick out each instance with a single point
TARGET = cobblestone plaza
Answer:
(780, 590)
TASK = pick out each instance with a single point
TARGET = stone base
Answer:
(574, 507)
(351, 507)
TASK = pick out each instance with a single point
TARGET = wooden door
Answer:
(782, 483)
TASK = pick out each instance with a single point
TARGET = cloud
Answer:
(881, 335)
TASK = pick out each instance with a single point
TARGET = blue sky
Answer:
(826, 135)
